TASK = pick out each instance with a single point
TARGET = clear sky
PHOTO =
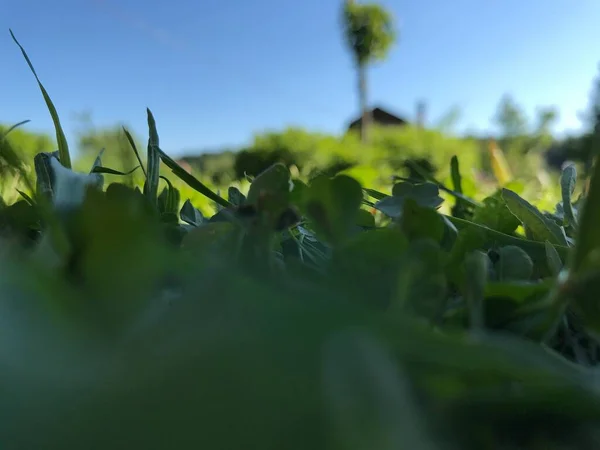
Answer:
(216, 71)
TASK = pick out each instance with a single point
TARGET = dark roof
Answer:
(380, 115)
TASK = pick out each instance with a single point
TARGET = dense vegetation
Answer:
(301, 310)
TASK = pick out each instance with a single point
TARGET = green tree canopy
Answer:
(369, 34)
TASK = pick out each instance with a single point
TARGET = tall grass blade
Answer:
(16, 125)
(151, 186)
(63, 146)
(191, 180)
(135, 150)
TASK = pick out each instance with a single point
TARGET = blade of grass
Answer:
(16, 125)
(63, 146)
(107, 170)
(455, 172)
(191, 180)
(151, 185)
(135, 150)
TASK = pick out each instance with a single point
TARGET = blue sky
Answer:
(216, 71)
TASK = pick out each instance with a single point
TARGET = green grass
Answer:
(294, 316)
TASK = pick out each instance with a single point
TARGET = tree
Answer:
(118, 153)
(449, 120)
(510, 118)
(369, 34)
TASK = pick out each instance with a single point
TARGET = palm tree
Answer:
(369, 33)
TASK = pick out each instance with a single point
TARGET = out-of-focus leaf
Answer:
(425, 194)
(422, 284)
(332, 205)
(555, 263)
(275, 179)
(365, 219)
(217, 242)
(476, 265)
(535, 250)
(568, 178)
(369, 401)
(367, 264)
(587, 248)
(513, 263)
(420, 222)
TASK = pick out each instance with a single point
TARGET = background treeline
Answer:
(533, 154)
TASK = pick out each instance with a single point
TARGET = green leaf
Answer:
(518, 291)
(368, 399)
(275, 179)
(555, 263)
(541, 227)
(27, 198)
(492, 239)
(332, 205)
(425, 194)
(216, 242)
(493, 213)
(568, 178)
(476, 265)
(123, 256)
(191, 215)
(236, 198)
(455, 174)
(365, 219)
(467, 241)
(375, 194)
(587, 248)
(367, 264)
(170, 201)
(44, 174)
(422, 283)
(151, 185)
(421, 222)
(97, 161)
(513, 263)
(63, 147)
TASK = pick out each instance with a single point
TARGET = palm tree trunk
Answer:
(362, 94)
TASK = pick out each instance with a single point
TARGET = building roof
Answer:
(379, 114)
